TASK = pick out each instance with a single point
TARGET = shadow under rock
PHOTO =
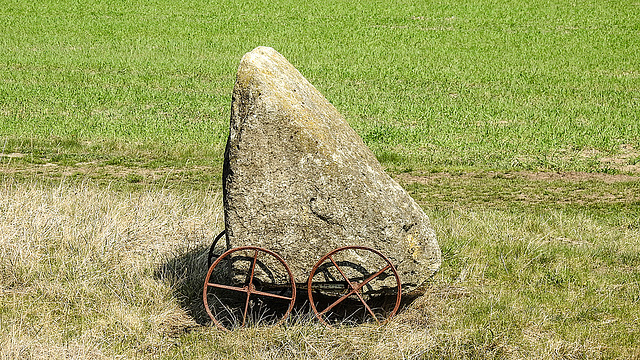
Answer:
(185, 273)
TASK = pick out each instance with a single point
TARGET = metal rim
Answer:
(354, 287)
(249, 288)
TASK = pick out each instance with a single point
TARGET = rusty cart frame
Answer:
(343, 287)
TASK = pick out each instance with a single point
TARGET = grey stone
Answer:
(299, 181)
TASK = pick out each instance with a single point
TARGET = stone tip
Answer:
(261, 52)
(263, 57)
(264, 50)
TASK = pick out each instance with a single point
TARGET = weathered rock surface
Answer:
(299, 181)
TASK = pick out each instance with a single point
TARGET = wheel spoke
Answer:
(250, 287)
(359, 286)
(227, 287)
(353, 291)
(246, 308)
(253, 267)
(341, 273)
(271, 295)
(336, 302)
(367, 306)
(373, 276)
(348, 282)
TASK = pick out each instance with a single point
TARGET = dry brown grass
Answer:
(78, 267)
(91, 272)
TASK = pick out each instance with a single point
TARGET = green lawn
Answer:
(430, 85)
(514, 124)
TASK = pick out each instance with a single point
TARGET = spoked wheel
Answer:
(248, 286)
(342, 290)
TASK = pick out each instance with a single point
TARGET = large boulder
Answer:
(299, 181)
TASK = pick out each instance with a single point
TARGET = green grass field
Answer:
(514, 124)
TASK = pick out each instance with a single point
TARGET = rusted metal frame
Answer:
(250, 288)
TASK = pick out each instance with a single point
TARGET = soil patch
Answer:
(523, 189)
(570, 176)
(111, 173)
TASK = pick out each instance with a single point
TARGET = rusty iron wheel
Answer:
(236, 308)
(353, 285)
